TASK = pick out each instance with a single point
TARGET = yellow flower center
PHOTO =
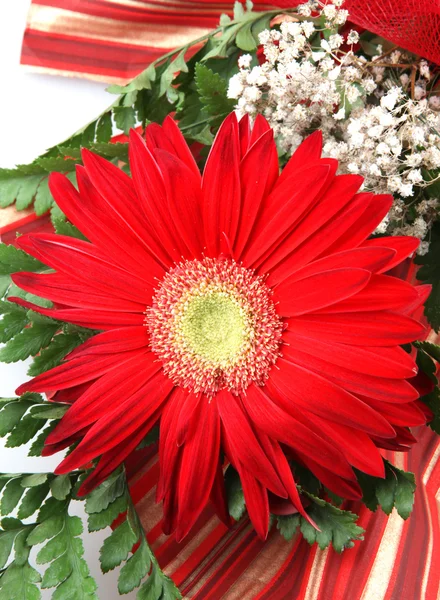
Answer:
(214, 327)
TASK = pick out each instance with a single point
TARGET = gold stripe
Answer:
(192, 546)
(315, 577)
(432, 463)
(176, 4)
(10, 215)
(47, 19)
(229, 549)
(79, 74)
(380, 574)
(262, 569)
(427, 474)
(382, 569)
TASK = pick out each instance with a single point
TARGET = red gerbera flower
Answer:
(245, 310)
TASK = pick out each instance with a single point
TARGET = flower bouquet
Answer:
(233, 323)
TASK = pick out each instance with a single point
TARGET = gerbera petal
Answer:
(244, 134)
(284, 206)
(319, 396)
(378, 207)
(391, 362)
(105, 394)
(115, 457)
(279, 461)
(256, 183)
(375, 328)
(401, 443)
(118, 191)
(355, 445)
(199, 460)
(84, 262)
(150, 188)
(169, 451)
(221, 187)
(422, 292)
(61, 289)
(244, 444)
(184, 201)
(318, 291)
(259, 127)
(94, 319)
(111, 342)
(281, 426)
(381, 388)
(186, 414)
(181, 149)
(344, 488)
(325, 223)
(404, 415)
(72, 373)
(256, 500)
(404, 246)
(100, 226)
(309, 151)
(50, 449)
(115, 187)
(120, 423)
(371, 259)
(382, 293)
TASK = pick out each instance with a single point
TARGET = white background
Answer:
(36, 112)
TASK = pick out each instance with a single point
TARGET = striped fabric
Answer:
(398, 560)
(113, 40)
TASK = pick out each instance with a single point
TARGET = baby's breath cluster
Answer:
(380, 115)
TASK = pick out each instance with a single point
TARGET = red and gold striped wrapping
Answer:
(398, 560)
(113, 40)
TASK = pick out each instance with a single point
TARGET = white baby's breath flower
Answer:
(415, 176)
(353, 37)
(236, 87)
(308, 28)
(244, 62)
(335, 41)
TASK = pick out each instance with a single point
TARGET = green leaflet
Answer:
(60, 487)
(22, 418)
(234, 493)
(11, 496)
(32, 500)
(337, 527)
(53, 355)
(117, 546)
(106, 493)
(67, 572)
(135, 569)
(288, 525)
(100, 520)
(13, 322)
(212, 89)
(18, 581)
(28, 342)
(13, 259)
(395, 491)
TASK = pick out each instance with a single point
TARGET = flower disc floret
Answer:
(214, 325)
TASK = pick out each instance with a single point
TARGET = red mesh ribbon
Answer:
(411, 24)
